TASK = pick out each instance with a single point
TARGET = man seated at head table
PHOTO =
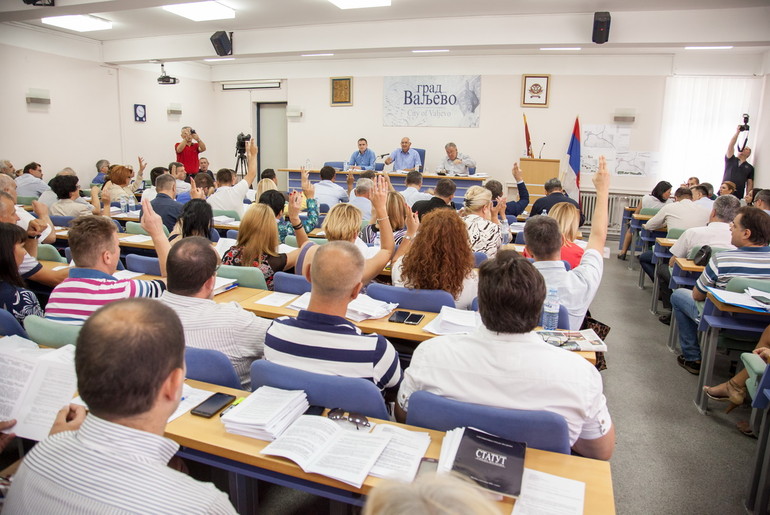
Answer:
(716, 234)
(506, 365)
(405, 158)
(30, 269)
(442, 198)
(95, 250)
(456, 163)
(226, 327)
(130, 368)
(320, 339)
(750, 232)
(577, 287)
(363, 158)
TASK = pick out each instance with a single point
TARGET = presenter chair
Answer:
(211, 366)
(407, 298)
(51, 334)
(349, 393)
(9, 326)
(247, 276)
(421, 151)
(290, 283)
(538, 429)
(337, 165)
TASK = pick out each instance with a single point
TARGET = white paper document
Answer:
(285, 249)
(266, 413)
(401, 458)
(276, 299)
(191, 397)
(454, 321)
(223, 245)
(361, 308)
(223, 284)
(546, 494)
(34, 386)
(137, 238)
(126, 274)
(222, 219)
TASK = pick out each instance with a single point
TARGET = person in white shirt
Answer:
(682, 214)
(361, 200)
(412, 192)
(7, 168)
(177, 172)
(456, 163)
(505, 364)
(577, 287)
(716, 234)
(42, 224)
(700, 196)
(762, 201)
(118, 459)
(229, 197)
(30, 183)
(327, 191)
(226, 327)
(150, 193)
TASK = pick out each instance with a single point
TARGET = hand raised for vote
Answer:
(412, 221)
(379, 196)
(196, 192)
(69, 418)
(295, 205)
(517, 173)
(601, 178)
(142, 165)
(307, 187)
(252, 149)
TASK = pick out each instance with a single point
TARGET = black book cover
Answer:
(494, 463)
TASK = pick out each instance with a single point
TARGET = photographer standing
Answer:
(188, 149)
(737, 169)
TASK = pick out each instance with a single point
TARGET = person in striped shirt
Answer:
(320, 339)
(96, 252)
(750, 232)
(117, 461)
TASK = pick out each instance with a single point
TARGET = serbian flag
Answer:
(571, 177)
(529, 141)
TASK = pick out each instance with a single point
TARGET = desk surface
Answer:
(642, 217)
(62, 234)
(476, 178)
(209, 436)
(665, 242)
(729, 308)
(688, 266)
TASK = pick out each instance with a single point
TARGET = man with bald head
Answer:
(320, 339)
(406, 158)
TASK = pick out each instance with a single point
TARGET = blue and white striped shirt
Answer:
(327, 344)
(750, 262)
(108, 468)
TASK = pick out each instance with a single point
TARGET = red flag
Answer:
(529, 141)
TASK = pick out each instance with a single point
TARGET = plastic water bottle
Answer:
(544, 212)
(345, 166)
(506, 230)
(551, 310)
(132, 203)
(123, 205)
(307, 164)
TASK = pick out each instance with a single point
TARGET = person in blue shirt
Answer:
(363, 158)
(102, 166)
(405, 159)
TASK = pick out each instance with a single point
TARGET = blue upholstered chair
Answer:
(9, 326)
(480, 257)
(61, 221)
(290, 283)
(211, 366)
(421, 151)
(145, 264)
(407, 298)
(349, 393)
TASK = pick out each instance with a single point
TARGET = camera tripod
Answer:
(241, 167)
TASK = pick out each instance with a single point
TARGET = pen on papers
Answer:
(231, 406)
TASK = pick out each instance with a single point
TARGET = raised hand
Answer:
(142, 165)
(295, 205)
(412, 222)
(601, 178)
(517, 173)
(307, 187)
(380, 196)
(252, 149)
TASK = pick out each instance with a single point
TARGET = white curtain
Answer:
(700, 115)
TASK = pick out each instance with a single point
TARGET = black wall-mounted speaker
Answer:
(223, 45)
(601, 27)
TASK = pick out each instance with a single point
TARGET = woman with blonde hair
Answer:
(440, 258)
(265, 185)
(568, 217)
(343, 223)
(482, 220)
(121, 182)
(257, 243)
(727, 188)
(398, 212)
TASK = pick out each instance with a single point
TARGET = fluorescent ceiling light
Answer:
(316, 55)
(563, 48)
(259, 84)
(78, 22)
(201, 11)
(215, 59)
(428, 51)
(359, 4)
(707, 47)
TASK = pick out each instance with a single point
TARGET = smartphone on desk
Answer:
(212, 405)
(399, 316)
(414, 318)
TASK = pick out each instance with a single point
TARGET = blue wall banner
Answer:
(432, 101)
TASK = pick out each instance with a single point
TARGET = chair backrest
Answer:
(407, 298)
(9, 326)
(290, 283)
(674, 233)
(480, 257)
(227, 212)
(25, 201)
(520, 238)
(51, 334)
(421, 151)
(323, 208)
(649, 210)
(211, 366)
(247, 276)
(538, 429)
(563, 318)
(61, 221)
(696, 249)
(232, 234)
(472, 170)
(136, 228)
(46, 252)
(338, 165)
(349, 393)
(378, 167)
(739, 284)
(291, 240)
(117, 225)
(214, 235)
(475, 304)
(145, 264)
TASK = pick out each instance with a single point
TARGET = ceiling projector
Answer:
(165, 78)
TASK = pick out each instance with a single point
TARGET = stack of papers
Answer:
(454, 321)
(224, 284)
(401, 458)
(746, 300)
(222, 219)
(134, 214)
(137, 238)
(362, 308)
(266, 413)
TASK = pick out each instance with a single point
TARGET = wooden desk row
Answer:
(209, 436)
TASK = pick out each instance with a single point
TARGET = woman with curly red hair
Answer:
(440, 258)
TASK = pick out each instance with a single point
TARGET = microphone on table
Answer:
(540, 155)
(383, 155)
